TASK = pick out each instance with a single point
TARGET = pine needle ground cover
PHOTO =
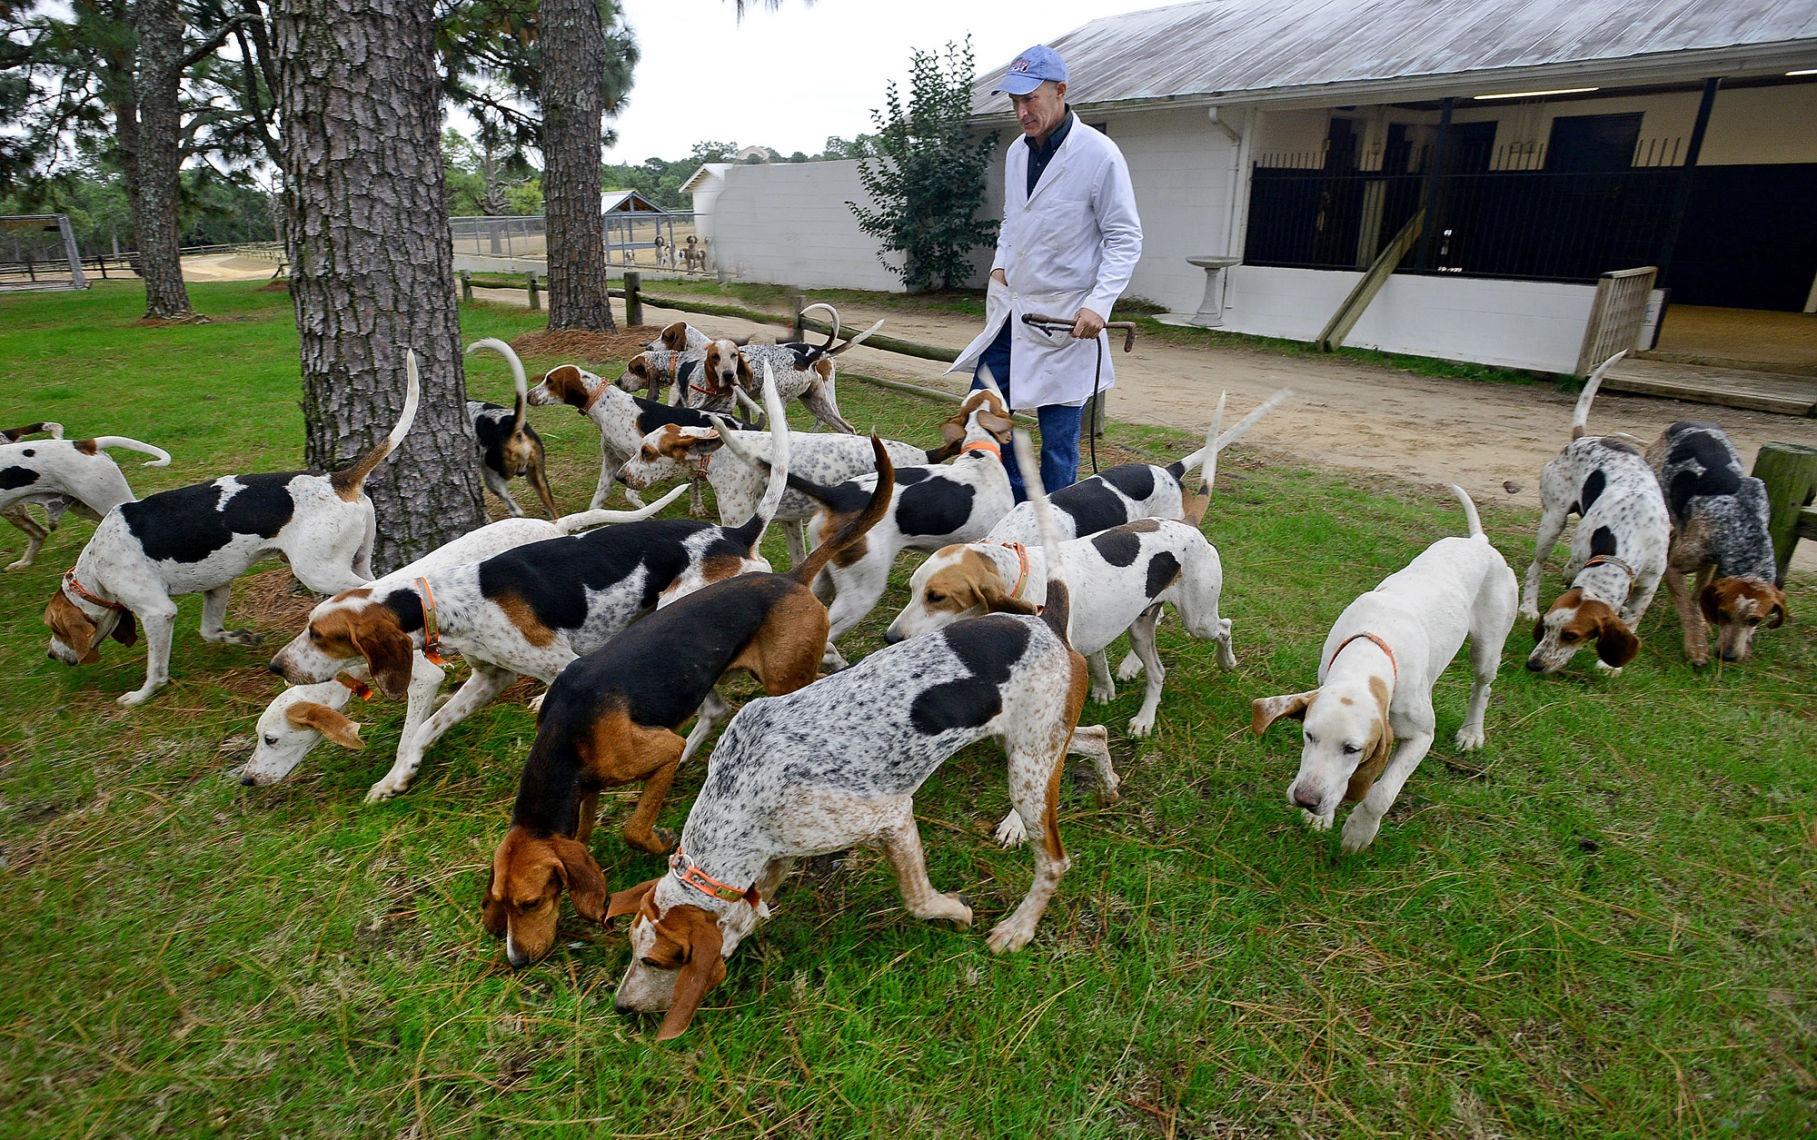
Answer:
(1600, 925)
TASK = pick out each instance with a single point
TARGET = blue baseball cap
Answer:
(1032, 68)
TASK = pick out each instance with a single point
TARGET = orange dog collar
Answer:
(983, 445)
(685, 869)
(432, 634)
(360, 688)
(1380, 644)
(1021, 566)
(69, 581)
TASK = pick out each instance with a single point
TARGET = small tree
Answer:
(927, 177)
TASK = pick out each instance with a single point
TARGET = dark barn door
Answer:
(1748, 240)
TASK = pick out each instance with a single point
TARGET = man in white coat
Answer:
(1069, 242)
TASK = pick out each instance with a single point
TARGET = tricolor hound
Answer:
(199, 539)
(612, 718)
(1618, 551)
(837, 765)
(301, 716)
(529, 611)
(508, 445)
(1376, 673)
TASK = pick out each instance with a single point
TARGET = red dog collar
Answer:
(691, 875)
(432, 634)
(69, 582)
(360, 688)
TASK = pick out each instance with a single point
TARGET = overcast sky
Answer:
(788, 79)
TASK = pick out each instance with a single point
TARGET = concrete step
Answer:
(1731, 387)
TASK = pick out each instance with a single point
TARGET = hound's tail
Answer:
(1057, 610)
(587, 520)
(1580, 415)
(1214, 444)
(348, 481)
(1193, 505)
(855, 525)
(517, 377)
(859, 339)
(1476, 524)
(833, 313)
(160, 457)
(46, 427)
(751, 531)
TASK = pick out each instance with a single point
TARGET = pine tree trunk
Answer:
(157, 156)
(573, 43)
(371, 260)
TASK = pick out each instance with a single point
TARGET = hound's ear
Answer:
(703, 970)
(1778, 613)
(1376, 755)
(743, 369)
(586, 885)
(126, 630)
(492, 911)
(1264, 711)
(997, 425)
(387, 651)
(995, 601)
(1615, 644)
(629, 900)
(72, 627)
(1709, 600)
(953, 430)
(1539, 631)
(329, 722)
(704, 444)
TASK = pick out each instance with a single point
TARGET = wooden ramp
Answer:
(1781, 392)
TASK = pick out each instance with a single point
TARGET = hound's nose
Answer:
(621, 1008)
(275, 668)
(1535, 665)
(247, 781)
(1305, 797)
(891, 637)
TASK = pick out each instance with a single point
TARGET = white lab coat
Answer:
(1072, 245)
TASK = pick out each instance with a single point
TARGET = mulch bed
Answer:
(587, 347)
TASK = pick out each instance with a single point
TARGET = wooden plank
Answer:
(1728, 387)
(1789, 471)
(1351, 310)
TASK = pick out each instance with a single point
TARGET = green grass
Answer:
(1599, 926)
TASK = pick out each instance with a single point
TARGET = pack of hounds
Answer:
(632, 621)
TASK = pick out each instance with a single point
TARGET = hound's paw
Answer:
(1316, 821)
(1140, 726)
(1469, 739)
(19, 565)
(1610, 670)
(136, 697)
(1103, 696)
(1359, 831)
(1529, 611)
(1227, 657)
(384, 790)
(1008, 936)
(535, 704)
(239, 637)
(958, 910)
(1011, 833)
(665, 836)
(1129, 668)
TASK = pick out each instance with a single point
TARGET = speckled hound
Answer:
(837, 765)
(197, 540)
(1618, 550)
(1376, 673)
(60, 474)
(1719, 537)
(613, 717)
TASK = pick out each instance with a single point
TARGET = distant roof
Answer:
(627, 202)
(707, 170)
(1255, 50)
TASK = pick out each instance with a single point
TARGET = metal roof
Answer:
(627, 202)
(1254, 50)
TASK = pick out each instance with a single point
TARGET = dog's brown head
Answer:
(523, 892)
(677, 955)
(567, 384)
(1737, 607)
(987, 410)
(724, 368)
(360, 630)
(1575, 621)
(76, 638)
(674, 336)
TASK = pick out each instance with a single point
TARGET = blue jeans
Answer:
(1059, 426)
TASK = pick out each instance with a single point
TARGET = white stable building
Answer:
(1541, 143)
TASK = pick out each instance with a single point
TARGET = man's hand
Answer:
(1087, 324)
(998, 276)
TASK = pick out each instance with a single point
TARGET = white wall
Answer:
(1180, 164)
(1515, 324)
(788, 223)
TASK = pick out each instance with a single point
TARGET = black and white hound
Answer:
(60, 474)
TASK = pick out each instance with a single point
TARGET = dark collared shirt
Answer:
(1041, 153)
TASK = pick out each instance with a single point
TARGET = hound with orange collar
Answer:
(1376, 674)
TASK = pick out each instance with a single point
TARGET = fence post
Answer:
(1790, 472)
(536, 302)
(634, 302)
(466, 284)
(800, 331)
